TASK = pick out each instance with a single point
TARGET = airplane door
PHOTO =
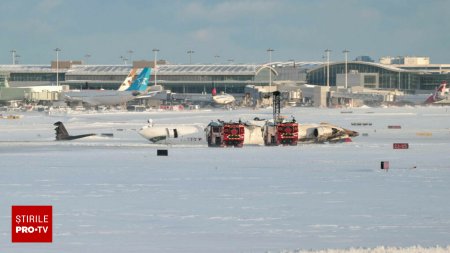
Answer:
(172, 133)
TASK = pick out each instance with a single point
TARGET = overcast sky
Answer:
(238, 30)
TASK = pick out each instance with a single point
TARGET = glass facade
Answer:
(37, 77)
(204, 87)
(431, 81)
(175, 83)
(204, 78)
(389, 78)
(94, 85)
(118, 78)
(3, 80)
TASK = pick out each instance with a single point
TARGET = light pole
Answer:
(190, 52)
(217, 58)
(293, 62)
(124, 60)
(155, 51)
(57, 50)
(13, 52)
(328, 66)
(87, 56)
(130, 53)
(270, 50)
(346, 72)
(324, 69)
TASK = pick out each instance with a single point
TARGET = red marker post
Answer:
(401, 146)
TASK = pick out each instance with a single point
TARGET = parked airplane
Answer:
(223, 98)
(196, 134)
(63, 135)
(213, 98)
(418, 99)
(127, 82)
(113, 97)
(438, 95)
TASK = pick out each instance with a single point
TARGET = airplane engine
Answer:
(323, 132)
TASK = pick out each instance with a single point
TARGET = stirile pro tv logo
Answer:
(32, 223)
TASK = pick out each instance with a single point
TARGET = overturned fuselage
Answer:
(253, 133)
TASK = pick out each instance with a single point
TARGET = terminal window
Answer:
(369, 79)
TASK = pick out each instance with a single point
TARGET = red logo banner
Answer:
(32, 223)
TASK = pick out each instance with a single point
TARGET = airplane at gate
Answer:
(127, 82)
(421, 99)
(438, 95)
(114, 97)
(222, 99)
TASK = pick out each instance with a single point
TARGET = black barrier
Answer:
(162, 152)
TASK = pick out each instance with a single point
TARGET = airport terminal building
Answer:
(406, 76)
(177, 78)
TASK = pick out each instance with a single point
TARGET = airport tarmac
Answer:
(116, 195)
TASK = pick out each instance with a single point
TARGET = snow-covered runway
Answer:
(116, 195)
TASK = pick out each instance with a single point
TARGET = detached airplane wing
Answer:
(63, 135)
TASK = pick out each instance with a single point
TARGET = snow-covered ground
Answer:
(116, 195)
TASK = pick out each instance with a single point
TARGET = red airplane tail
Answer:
(439, 92)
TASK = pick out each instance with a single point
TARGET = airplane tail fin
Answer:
(438, 93)
(61, 131)
(127, 82)
(141, 82)
(442, 87)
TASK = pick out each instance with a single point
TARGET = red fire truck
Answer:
(224, 134)
(285, 133)
(280, 131)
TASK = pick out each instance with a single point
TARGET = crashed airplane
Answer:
(253, 132)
